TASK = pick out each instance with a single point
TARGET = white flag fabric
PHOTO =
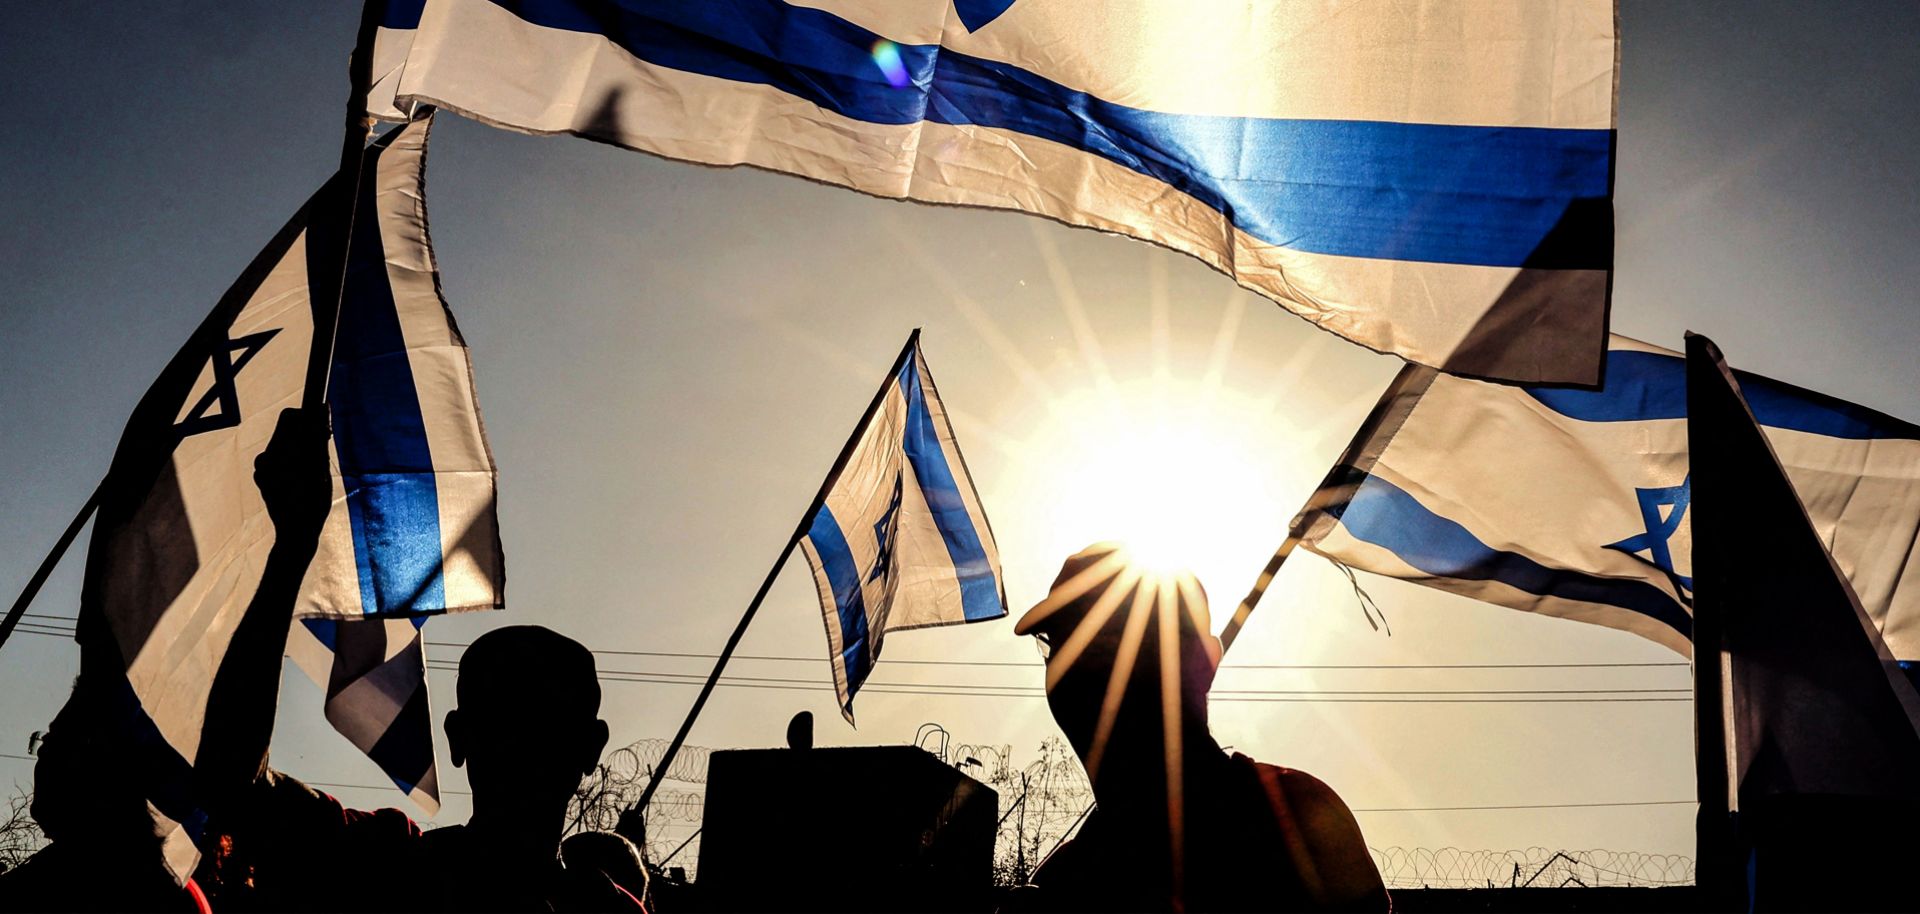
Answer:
(374, 672)
(392, 39)
(182, 533)
(900, 541)
(1573, 503)
(1432, 180)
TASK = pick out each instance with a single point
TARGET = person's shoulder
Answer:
(286, 807)
(1341, 870)
(1299, 786)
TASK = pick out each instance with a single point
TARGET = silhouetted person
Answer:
(90, 789)
(526, 727)
(104, 853)
(1179, 824)
(527, 730)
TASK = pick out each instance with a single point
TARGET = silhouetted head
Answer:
(526, 725)
(1130, 656)
(83, 787)
(608, 854)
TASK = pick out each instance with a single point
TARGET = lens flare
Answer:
(886, 56)
(1184, 489)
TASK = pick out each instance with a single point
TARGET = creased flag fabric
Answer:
(1432, 180)
(374, 672)
(392, 39)
(182, 534)
(900, 540)
(1574, 503)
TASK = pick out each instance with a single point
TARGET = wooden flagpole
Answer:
(1252, 599)
(1359, 454)
(799, 533)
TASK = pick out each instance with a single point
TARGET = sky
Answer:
(669, 356)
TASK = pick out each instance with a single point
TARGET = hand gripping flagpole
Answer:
(326, 323)
(799, 532)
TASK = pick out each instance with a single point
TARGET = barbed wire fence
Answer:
(674, 815)
(1040, 802)
(1534, 867)
(1043, 801)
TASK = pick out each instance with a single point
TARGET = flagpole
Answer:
(1716, 876)
(353, 146)
(1252, 599)
(799, 533)
(47, 565)
(1387, 410)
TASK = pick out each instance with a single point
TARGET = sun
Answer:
(1174, 472)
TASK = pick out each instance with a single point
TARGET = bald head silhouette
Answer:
(526, 725)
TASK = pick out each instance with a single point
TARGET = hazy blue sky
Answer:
(669, 356)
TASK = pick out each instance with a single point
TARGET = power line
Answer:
(1528, 806)
(1034, 692)
(791, 658)
(1263, 696)
(787, 658)
(1036, 696)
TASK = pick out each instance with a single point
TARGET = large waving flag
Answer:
(182, 533)
(1432, 180)
(1574, 503)
(900, 540)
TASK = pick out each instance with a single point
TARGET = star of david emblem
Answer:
(976, 14)
(227, 358)
(883, 534)
(1659, 528)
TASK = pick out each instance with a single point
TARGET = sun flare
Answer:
(1175, 476)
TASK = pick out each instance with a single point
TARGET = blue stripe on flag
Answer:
(405, 751)
(1489, 196)
(1385, 515)
(393, 503)
(1642, 386)
(402, 14)
(979, 592)
(326, 630)
(837, 559)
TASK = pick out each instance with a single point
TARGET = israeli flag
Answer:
(900, 540)
(182, 532)
(1574, 503)
(1432, 180)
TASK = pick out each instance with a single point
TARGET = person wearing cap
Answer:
(1179, 824)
